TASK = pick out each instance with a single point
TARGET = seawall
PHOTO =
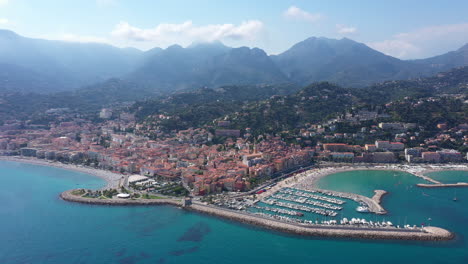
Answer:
(429, 233)
(68, 196)
(442, 185)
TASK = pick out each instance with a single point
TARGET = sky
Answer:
(400, 28)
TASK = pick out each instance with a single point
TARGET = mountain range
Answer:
(44, 66)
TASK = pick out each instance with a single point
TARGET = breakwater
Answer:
(68, 196)
(442, 185)
(378, 196)
(427, 233)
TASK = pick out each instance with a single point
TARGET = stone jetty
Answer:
(378, 196)
(442, 185)
(426, 233)
(69, 196)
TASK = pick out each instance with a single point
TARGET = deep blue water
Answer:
(37, 227)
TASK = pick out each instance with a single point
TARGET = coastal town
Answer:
(201, 132)
(242, 173)
(201, 163)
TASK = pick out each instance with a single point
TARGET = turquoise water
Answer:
(37, 227)
(449, 176)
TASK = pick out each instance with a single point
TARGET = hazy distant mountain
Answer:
(343, 61)
(44, 66)
(60, 65)
(15, 78)
(207, 64)
(448, 60)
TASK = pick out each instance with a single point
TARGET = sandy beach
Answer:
(112, 179)
(308, 179)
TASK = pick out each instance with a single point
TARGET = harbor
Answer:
(296, 205)
(326, 229)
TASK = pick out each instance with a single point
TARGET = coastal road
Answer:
(269, 182)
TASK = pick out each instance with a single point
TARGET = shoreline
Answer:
(312, 176)
(111, 179)
(427, 233)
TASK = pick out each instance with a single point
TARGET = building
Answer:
(224, 123)
(227, 133)
(413, 154)
(384, 157)
(442, 126)
(391, 126)
(105, 113)
(251, 160)
(396, 146)
(336, 147)
(387, 145)
(342, 156)
(382, 144)
(413, 151)
(430, 157)
(370, 147)
(28, 152)
(450, 155)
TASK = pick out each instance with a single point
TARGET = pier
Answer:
(69, 196)
(442, 185)
(338, 231)
(421, 175)
(378, 196)
(289, 225)
(373, 204)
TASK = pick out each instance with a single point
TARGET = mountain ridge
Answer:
(61, 66)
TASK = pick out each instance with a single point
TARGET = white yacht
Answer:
(362, 209)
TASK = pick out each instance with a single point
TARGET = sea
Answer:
(36, 226)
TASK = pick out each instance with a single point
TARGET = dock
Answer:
(442, 185)
(421, 175)
(378, 196)
(372, 203)
(426, 233)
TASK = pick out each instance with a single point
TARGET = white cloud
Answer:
(187, 31)
(294, 12)
(424, 42)
(4, 21)
(4, 2)
(82, 39)
(396, 48)
(343, 29)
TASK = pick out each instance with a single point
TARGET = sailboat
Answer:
(455, 197)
